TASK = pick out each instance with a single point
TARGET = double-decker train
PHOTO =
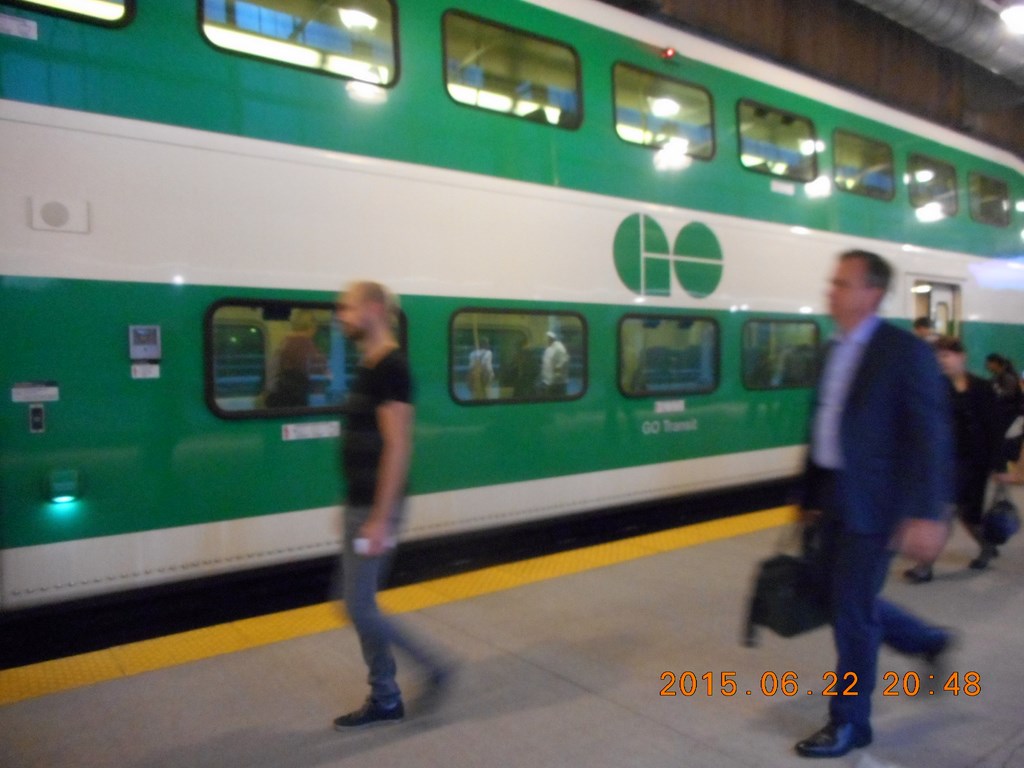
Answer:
(611, 240)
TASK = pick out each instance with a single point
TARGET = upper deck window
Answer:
(657, 111)
(863, 166)
(350, 39)
(506, 70)
(107, 11)
(990, 200)
(931, 185)
(777, 143)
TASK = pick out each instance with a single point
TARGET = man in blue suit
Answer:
(880, 459)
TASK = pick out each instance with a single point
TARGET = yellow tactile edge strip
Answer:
(134, 658)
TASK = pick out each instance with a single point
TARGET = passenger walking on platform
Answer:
(880, 453)
(376, 453)
(1009, 410)
(924, 329)
(977, 447)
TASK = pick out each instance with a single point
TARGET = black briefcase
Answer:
(786, 599)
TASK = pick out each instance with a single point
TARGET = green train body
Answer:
(173, 212)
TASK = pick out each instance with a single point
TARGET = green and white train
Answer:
(184, 187)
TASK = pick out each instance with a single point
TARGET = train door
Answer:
(940, 302)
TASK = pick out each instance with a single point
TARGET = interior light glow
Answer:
(664, 107)
(930, 213)
(97, 9)
(354, 19)
(1013, 18)
(923, 177)
(1020, 206)
(368, 93)
(800, 230)
(806, 310)
(807, 147)
(673, 156)
(820, 187)
(359, 70)
(922, 288)
(263, 46)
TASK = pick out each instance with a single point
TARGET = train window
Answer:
(779, 354)
(114, 12)
(271, 358)
(863, 166)
(657, 111)
(350, 39)
(990, 200)
(931, 185)
(667, 355)
(777, 143)
(504, 356)
(506, 70)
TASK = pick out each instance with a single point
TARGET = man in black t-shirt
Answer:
(376, 452)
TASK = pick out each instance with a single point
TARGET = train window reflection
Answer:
(505, 70)
(350, 39)
(506, 356)
(109, 11)
(777, 143)
(656, 111)
(931, 185)
(990, 200)
(666, 355)
(778, 354)
(863, 166)
(275, 358)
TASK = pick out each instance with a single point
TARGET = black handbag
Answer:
(787, 598)
(1001, 520)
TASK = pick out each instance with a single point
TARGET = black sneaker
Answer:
(371, 713)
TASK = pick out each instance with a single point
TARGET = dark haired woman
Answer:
(977, 439)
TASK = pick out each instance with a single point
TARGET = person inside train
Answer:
(554, 367)
(480, 373)
(977, 447)
(298, 359)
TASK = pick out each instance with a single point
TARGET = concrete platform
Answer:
(564, 669)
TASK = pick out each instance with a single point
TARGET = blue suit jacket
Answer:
(895, 436)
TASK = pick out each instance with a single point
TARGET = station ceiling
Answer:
(946, 60)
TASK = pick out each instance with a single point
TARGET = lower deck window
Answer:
(667, 355)
(779, 354)
(508, 356)
(275, 358)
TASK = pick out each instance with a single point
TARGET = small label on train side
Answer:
(15, 27)
(35, 392)
(670, 406)
(312, 431)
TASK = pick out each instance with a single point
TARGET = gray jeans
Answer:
(361, 577)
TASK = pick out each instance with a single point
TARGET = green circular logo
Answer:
(645, 264)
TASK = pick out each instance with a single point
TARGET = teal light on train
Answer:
(645, 264)
(63, 486)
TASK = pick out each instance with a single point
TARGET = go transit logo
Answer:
(645, 263)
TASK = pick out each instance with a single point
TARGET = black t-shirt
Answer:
(362, 445)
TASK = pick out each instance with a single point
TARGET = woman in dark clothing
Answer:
(977, 439)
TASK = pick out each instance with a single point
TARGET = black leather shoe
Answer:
(918, 575)
(834, 740)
